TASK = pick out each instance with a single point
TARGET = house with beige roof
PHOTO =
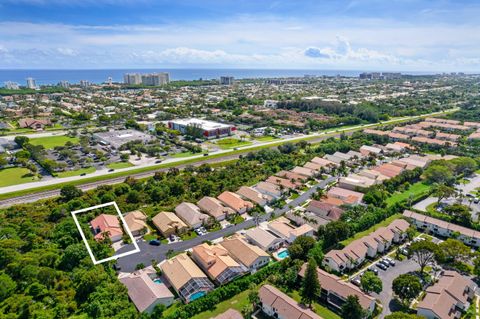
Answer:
(251, 194)
(191, 214)
(367, 150)
(291, 176)
(235, 202)
(307, 172)
(355, 253)
(214, 208)
(347, 196)
(229, 314)
(246, 254)
(283, 182)
(448, 298)
(217, 263)
(270, 189)
(276, 304)
(144, 292)
(136, 222)
(168, 224)
(265, 239)
(282, 228)
(185, 277)
(356, 182)
(335, 291)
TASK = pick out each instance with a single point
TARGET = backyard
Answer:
(414, 191)
(50, 142)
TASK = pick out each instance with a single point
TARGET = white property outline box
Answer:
(125, 226)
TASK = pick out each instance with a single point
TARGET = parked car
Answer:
(381, 266)
(356, 281)
(372, 269)
(390, 261)
(154, 242)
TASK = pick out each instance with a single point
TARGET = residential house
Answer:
(136, 222)
(325, 210)
(308, 173)
(34, 123)
(355, 182)
(254, 196)
(264, 239)
(347, 196)
(367, 150)
(389, 170)
(248, 255)
(276, 304)
(185, 277)
(283, 182)
(301, 218)
(214, 208)
(168, 224)
(448, 298)
(235, 202)
(191, 214)
(335, 291)
(107, 225)
(144, 292)
(270, 189)
(282, 228)
(217, 263)
(291, 176)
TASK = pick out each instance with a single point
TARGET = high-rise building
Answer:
(31, 83)
(85, 83)
(155, 79)
(132, 78)
(109, 80)
(11, 85)
(226, 80)
(64, 84)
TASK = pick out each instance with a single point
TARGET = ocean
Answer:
(52, 77)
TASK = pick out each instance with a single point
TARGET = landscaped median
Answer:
(332, 132)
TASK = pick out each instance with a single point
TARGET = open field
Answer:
(414, 191)
(384, 223)
(77, 172)
(119, 165)
(185, 154)
(266, 138)
(227, 143)
(52, 141)
(14, 176)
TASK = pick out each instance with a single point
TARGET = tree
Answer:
(351, 308)
(7, 286)
(453, 250)
(439, 173)
(371, 283)
(69, 192)
(310, 284)
(442, 191)
(317, 252)
(300, 247)
(423, 252)
(460, 213)
(464, 165)
(334, 232)
(406, 287)
(21, 140)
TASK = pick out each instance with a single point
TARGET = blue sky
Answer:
(362, 35)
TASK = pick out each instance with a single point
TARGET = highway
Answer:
(313, 138)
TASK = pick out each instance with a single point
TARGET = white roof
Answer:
(204, 124)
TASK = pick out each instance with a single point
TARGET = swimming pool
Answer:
(157, 281)
(197, 295)
(283, 254)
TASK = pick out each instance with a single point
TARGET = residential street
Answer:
(158, 253)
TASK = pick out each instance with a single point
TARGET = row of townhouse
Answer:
(378, 242)
(443, 228)
(448, 298)
(272, 235)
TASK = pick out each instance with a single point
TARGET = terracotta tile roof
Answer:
(234, 201)
(282, 182)
(214, 258)
(213, 207)
(291, 175)
(106, 223)
(229, 314)
(346, 195)
(254, 195)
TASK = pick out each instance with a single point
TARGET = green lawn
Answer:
(184, 154)
(119, 165)
(386, 222)
(414, 191)
(266, 138)
(227, 143)
(14, 176)
(77, 172)
(320, 310)
(237, 303)
(189, 235)
(50, 142)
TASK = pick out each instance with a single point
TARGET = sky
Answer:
(383, 35)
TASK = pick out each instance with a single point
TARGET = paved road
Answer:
(158, 253)
(387, 277)
(316, 137)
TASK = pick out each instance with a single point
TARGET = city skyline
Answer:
(364, 35)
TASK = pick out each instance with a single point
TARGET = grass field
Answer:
(386, 222)
(119, 165)
(414, 191)
(77, 172)
(320, 310)
(237, 303)
(227, 143)
(50, 142)
(184, 154)
(14, 176)
(266, 138)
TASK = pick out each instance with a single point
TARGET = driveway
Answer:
(387, 277)
(158, 253)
